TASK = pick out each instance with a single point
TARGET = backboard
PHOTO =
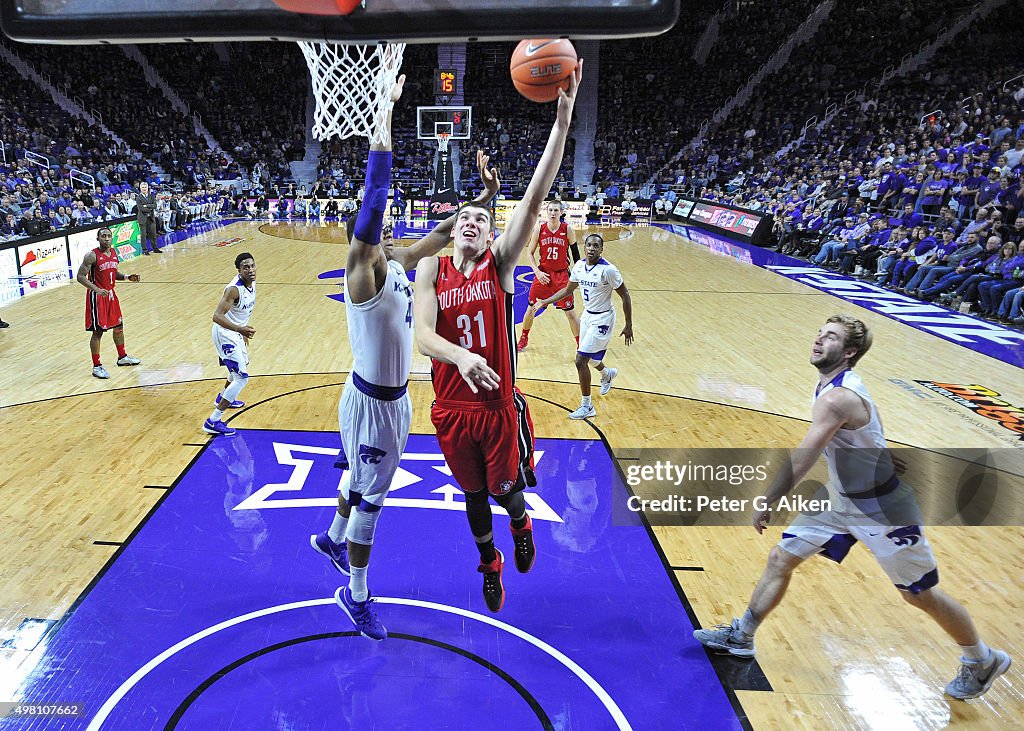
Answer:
(456, 121)
(409, 21)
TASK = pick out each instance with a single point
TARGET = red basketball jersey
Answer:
(104, 271)
(554, 248)
(476, 313)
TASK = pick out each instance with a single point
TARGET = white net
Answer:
(352, 84)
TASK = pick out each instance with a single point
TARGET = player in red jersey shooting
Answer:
(463, 318)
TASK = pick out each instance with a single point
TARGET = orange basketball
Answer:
(319, 7)
(540, 67)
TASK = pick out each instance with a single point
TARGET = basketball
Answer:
(540, 67)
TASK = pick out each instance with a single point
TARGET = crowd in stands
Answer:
(915, 185)
(79, 174)
(819, 73)
(512, 128)
(252, 99)
(654, 95)
(888, 188)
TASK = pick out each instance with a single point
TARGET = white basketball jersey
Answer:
(380, 331)
(597, 283)
(858, 459)
(240, 313)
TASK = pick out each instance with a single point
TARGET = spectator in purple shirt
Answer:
(968, 268)
(910, 259)
(806, 231)
(949, 165)
(890, 185)
(967, 198)
(866, 252)
(912, 189)
(907, 219)
(965, 252)
(990, 188)
(933, 194)
(937, 259)
(992, 269)
(990, 291)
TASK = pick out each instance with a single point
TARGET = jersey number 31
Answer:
(465, 323)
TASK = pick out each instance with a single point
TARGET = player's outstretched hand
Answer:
(489, 176)
(761, 519)
(475, 371)
(627, 333)
(396, 90)
(134, 278)
(566, 99)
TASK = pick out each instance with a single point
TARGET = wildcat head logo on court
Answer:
(370, 455)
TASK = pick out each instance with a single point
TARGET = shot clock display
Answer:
(445, 82)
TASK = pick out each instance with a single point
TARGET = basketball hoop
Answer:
(352, 84)
(442, 141)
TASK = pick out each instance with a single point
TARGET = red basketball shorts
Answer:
(101, 313)
(558, 281)
(487, 444)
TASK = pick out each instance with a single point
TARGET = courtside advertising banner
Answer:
(727, 219)
(10, 287)
(43, 264)
(683, 208)
(124, 240)
(576, 211)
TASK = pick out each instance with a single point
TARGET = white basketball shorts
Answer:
(231, 350)
(373, 434)
(596, 332)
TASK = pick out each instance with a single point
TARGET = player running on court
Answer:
(597, 278)
(464, 323)
(231, 335)
(554, 242)
(98, 274)
(866, 496)
(375, 411)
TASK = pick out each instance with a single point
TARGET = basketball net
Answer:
(352, 84)
(442, 141)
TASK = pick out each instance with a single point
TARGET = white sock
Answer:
(337, 530)
(587, 401)
(357, 584)
(217, 415)
(748, 625)
(976, 653)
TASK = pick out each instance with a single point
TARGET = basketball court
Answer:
(157, 577)
(165, 579)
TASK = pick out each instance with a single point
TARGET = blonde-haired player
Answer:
(869, 504)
